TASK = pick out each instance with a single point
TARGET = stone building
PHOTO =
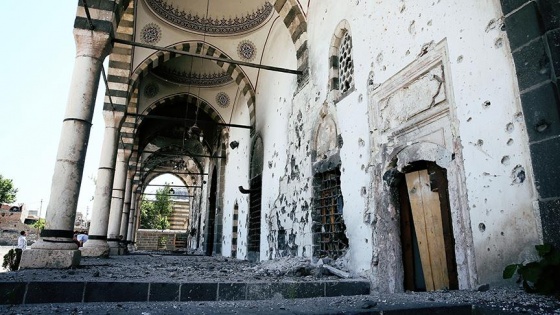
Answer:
(417, 141)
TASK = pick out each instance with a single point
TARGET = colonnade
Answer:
(56, 248)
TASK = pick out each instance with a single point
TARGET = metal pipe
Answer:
(182, 154)
(188, 120)
(178, 186)
(186, 53)
(172, 172)
(168, 195)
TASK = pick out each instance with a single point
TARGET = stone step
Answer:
(83, 292)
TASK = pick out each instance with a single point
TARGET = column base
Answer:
(50, 258)
(131, 247)
(95, 248)
(116, 248)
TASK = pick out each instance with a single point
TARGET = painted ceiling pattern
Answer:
(209, 25)
(190, 78)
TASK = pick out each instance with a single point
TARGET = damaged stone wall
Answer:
(459, 109)
(236, 173)
(488, 133)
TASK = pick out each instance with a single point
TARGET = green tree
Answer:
(7, 190)
(154, 213)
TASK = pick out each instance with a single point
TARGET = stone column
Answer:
(56, 248)
(126, 207)
(117, 202)
(132, 218)
(97, 246)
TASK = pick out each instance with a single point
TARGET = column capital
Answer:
(92, 44)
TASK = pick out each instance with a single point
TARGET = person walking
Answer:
(21, 246)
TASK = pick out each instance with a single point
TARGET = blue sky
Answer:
(37, 63)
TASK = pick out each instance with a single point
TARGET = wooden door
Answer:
(428, 225)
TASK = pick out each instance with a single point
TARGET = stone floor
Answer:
(268, 287)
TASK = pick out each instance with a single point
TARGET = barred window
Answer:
(329, 230)
(345, 64)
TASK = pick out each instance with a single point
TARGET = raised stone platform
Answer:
(83, 292)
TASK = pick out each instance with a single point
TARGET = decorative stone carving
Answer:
(222, 99)
(195, 79)
(326, 139)
(421, 94)
(210, 25)
(246, 50)
(151, 90)
(150, 33)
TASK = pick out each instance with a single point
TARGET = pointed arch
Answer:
(159, 57)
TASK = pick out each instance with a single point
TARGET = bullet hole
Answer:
(407, 53)
(488, 248)
(505, 160)
(340, 141)
(502, 211)
(469, 119)
(360, 98)
(460, 59)
(518, 117)
(499, 43)
(361, 142)
(363, 191)
(482, 227)
(379, 58)
(486, 104)
(429, 23)
(510, 141)
(509, 127)
(370, 78)
(503, 27)
(502, 233)
(490, 26)
(367, 241)
(541, 126)
(518, 175)
(269, 164)
(412, 28)
(384, 68)
(480, 142)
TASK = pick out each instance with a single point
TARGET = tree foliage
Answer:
(154, 213)
(7, 190)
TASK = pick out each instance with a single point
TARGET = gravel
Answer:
(155, 267)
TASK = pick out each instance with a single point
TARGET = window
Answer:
(329, 231)
(345, 64)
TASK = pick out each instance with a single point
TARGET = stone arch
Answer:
(204, 105)
(420, 151)
(325, 144)
(296, 23)
(159, 57)
(341, 30)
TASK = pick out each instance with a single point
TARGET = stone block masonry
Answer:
(533, 29)
(76, 292)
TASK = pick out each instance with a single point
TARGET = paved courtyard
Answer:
(164, 271)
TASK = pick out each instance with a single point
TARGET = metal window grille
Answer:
(345, 64)
(234, 231)
(328, 224)
(254, 235)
